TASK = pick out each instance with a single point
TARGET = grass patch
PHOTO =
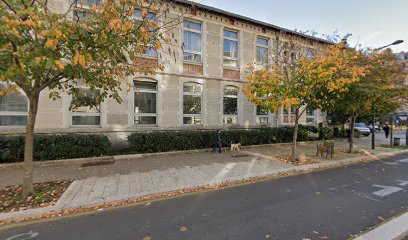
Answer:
(395, 147)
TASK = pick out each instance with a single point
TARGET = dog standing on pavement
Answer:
(235, 147)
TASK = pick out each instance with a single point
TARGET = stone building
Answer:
(200, 89)
(402, 113)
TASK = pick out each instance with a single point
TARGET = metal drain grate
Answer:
(98, 163)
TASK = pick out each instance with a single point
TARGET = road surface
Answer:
(330, 204)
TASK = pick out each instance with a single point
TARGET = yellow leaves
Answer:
(16, 32)
(144, 12)
(143, 30)
(59, 65)
(183, 229)
(44, 33)
(131, 12)
(157, 44)
(58, 34)
(6, 19)
(115, 24)
(78, 60)
(51, 43)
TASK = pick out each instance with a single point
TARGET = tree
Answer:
(315, 82)
(380, 91)
(40, 49)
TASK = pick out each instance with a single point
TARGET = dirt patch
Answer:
(45, 194)
(297, 161)
(355, 152)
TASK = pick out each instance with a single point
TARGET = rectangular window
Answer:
(81, 14)
(230, 49)
(145, 103)
(261, 116)
(192, 104)
(309, 53)
(85, 108)
(13, 110)
(310, 116)
(151, 16)
(262, 50)
(192, 42)
(230, 105)
(289, 115)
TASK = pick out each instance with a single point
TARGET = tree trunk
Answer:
(295, 132)
(28, 147)
(352, 123)
(392, 130)
(373, 133)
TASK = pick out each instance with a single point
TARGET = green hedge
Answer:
(54, 147)
(163, 141)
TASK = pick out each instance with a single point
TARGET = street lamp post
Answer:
(373, 116)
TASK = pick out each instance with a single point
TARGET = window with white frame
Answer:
(192, 104)
(262, 116)
(262, 50)
(145, 103)
(13, 110)
(230, 105)
(192, 41)
(81, 10)
(289, 115)
(230, 49)
(151, 16)
(310, 116)
(309, 53)
(86, 108)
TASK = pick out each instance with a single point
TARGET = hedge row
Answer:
(163, 141)
(54, 147)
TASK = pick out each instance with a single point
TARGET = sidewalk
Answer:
(141, 177)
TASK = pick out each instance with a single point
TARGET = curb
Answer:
(64, 162)
(59, 208)
(394, 229)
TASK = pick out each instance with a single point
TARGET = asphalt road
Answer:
(332, 203)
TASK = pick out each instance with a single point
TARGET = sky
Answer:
(372, 23)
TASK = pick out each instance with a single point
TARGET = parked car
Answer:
(362, 129)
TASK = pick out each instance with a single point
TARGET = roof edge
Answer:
(248, 19)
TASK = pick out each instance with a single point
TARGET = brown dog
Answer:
(325, 148)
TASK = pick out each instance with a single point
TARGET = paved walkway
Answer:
(133, 178)
(164, 162)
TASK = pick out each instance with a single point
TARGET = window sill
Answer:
(149, 57)
(193, 63)
(84, 126)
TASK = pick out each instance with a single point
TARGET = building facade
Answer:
(199, 88)
(402, 113)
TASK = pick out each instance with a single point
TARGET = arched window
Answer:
(13, 110)
(230, 105)
(145, 103)
(192, 103)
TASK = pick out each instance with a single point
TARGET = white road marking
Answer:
(24, 236)
(402, 183)
(403, 161)
(389, 163)
(387, 190)
(361, 194)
